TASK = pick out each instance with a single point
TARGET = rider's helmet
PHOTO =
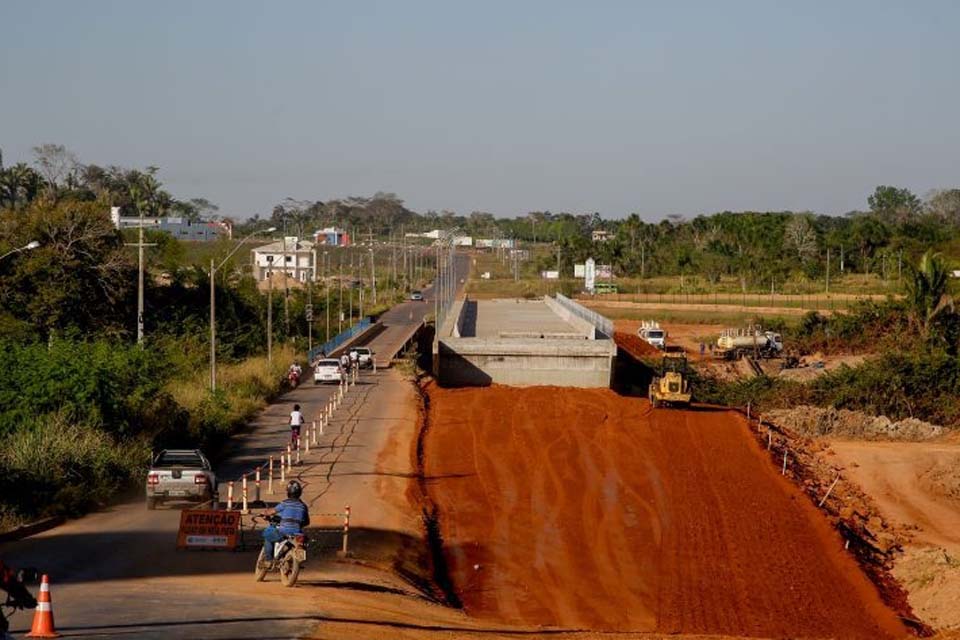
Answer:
(294, 489)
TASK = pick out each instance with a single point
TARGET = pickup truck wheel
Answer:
(151, 504)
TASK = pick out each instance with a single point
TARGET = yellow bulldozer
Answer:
(671, 385)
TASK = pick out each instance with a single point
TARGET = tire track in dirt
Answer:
(590, 511)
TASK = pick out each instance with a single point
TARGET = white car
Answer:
(364, 357)
(328, 370)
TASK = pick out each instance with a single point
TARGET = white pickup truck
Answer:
(180, 475)
(364, 357)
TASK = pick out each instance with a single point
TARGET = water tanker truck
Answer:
(734, 344)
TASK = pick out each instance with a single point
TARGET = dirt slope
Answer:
(917, 485)
(584, 509)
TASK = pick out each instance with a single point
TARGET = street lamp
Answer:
(33, 244)
(213, 305)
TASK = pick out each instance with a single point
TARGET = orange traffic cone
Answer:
(43, 616)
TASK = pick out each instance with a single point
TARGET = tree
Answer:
(801, 238)
(927, 292)
(79, 277)
(54, 162)
(891, 204)
(945, 205)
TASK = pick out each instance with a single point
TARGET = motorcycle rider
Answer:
(294, 516)
(11, 583)
(294, 373)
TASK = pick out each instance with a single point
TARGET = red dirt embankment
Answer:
(634, 345)
(584, 509)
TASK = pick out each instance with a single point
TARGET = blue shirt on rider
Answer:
(294, 516)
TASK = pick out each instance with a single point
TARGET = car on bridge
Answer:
(328, 370)
(364, 357)
(180, 475)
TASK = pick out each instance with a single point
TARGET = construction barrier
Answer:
(224, 528)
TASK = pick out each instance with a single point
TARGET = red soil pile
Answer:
(633, 345)
(584, 509)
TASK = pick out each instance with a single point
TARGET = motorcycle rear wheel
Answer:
(289, 571)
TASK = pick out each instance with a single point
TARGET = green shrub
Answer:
(53, 466)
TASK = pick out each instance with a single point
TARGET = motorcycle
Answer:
(17, 598)
(293, 378)
(289, 555)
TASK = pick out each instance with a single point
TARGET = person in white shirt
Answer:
(296, 422)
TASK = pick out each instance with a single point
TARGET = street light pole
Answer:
(33, 244)
(213, 306)
(326, 288)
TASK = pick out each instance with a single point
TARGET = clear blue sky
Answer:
(668, 107)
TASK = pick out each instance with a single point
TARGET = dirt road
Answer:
(917, 485)
(582, 509)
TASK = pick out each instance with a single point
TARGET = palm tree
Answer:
(927, 292)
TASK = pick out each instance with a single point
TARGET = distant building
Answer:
(600, 235)
(179, 228)
(332, 237)
(495, 243)
(460, 241)
(292, 256)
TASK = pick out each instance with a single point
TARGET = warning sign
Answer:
(208, 530)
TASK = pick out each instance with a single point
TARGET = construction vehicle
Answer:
(652, 334)
(753, 342)
(671, 386)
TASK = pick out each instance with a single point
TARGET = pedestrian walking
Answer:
(703, 350)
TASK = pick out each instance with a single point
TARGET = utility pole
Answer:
(270, 313)
(310, 316)
(286, 282)
(360, 301)
(351, 290)
(213, 332)
(828, 269)
(340, 288)
(373, 275)
(140, 283)
(140, 269)
(326, 289)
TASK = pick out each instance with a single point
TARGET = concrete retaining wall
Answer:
(603, 325)
(572, 318)
(569, 363)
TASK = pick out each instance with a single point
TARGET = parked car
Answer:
(364, 357)
(328, 370)
(416, 296)
(180, 475)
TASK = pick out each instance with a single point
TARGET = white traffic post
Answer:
(243, 495)
(270, 477)
(313, 434)
(283, 469)
(257, 497)
(230, 496)
(298, 451)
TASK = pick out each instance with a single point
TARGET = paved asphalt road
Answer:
(117, 573)
(401, 321)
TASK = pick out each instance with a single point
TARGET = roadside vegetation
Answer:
(81, 403)
(913, 370)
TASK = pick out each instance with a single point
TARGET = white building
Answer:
(297, 258)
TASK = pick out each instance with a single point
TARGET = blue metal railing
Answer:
(330, 345)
